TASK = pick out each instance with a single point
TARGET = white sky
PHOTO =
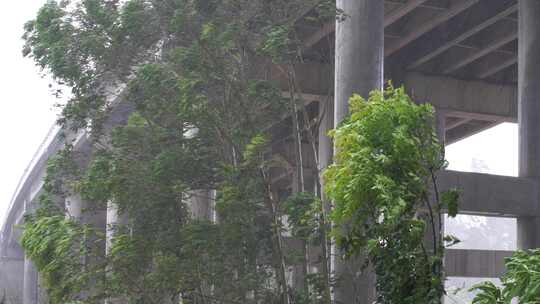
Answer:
(493, 151)
(27, 110)
(28, 113)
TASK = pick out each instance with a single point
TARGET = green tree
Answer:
(193, 75)
(382, 184)
(521, 281)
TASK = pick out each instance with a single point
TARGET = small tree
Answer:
(521, 281)
(386, 200)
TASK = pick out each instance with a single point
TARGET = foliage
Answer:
(303, 212)
(386, 160)
(57, 247)
(521, 281)
(193, 82)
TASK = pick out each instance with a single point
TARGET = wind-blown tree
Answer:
(193, 71)
(520, 283)
(386, 200)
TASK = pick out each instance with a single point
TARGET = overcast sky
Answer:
(27, 114)
(27, 110)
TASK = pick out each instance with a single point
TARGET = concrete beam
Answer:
(313, 78)
(494, 69)
(467, 99)
(485, 194)
(456, 123)
(462, 37)
(493, 46)
(475, 100)
(430, 5)
(475, 263)
(403, 10)
(421, 29)
(390, 18)
(468, 129)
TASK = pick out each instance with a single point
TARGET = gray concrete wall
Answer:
(11, 279)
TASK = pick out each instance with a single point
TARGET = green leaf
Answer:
(450, 201)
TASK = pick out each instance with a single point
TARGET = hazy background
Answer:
(27, 110)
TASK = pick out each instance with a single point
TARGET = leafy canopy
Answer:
(521, 281)
(387, 154)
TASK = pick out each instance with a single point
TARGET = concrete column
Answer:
(326, 146)
(74, 207)
(30, 283)
(359, 51)
(529, 110)
(358, 69)
(325, 153)
(95, 216)
(201, 205)
(114, 221)
(440, 125)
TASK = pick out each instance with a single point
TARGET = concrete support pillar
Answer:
(325, 153)
(202, 205)
(358, 69)
(30, 283)
(359, 51)
(94, 215)
(529, 110)
(440, 125)
(326, 146)
(74, 207)
(115, 221)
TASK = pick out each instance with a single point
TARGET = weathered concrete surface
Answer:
(11, 279)
(115, 221)
(359, 51)
(485, 194)
(201, 205)
(460, 98)
(30, 284)
(473, 99)
(529, 110)
(475, 263)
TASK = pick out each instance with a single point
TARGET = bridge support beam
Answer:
(529, 110)
(475, 263)
(358, 69)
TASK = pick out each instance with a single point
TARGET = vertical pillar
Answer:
(359, 51)
(440, 125)
(201, 205)
(30, 273)
(114, 221)
(74, 207)
(325, 153)
(94, 215)
(358, 69)
(529, 110)
(30, 283)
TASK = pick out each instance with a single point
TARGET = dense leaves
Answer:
(177, 101)
(521, 282)
(386, 160)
